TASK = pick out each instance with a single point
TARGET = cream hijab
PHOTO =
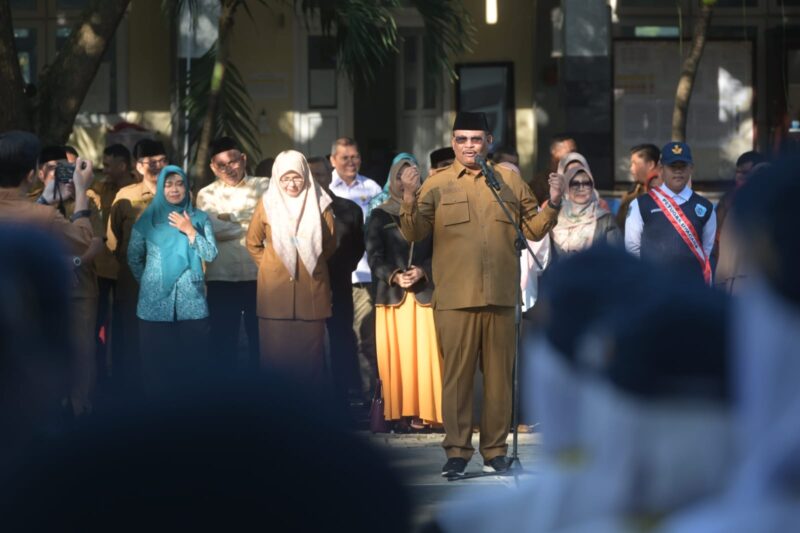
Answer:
(570, 158)
(296, 222)
(576, 223)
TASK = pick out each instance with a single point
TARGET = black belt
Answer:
(365, 285)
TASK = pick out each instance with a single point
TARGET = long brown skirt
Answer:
(296, 347)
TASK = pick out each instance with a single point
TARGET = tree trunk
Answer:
(688, 73)
(200, 171)
(65, 83)
(15, 113)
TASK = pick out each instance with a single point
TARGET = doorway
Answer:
(375, 121)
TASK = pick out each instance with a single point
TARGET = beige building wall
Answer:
(262, 49)
(148, 80)
(511, 39)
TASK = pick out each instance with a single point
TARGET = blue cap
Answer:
(676, 151)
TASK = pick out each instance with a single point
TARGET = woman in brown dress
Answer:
(291, 237)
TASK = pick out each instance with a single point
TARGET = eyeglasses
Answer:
(461, 139)
(581, 184)
(155, 162)
(230, 165)
(295, 179)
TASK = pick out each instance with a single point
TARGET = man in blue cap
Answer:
(672, 224)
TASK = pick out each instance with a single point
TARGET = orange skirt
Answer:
(409, 363)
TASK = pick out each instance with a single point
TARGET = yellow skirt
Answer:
(409, 364)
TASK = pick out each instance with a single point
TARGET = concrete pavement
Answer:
(418, 458)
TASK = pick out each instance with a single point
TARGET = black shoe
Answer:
(454, 467)
(497, 464)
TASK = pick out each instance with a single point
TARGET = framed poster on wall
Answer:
(720, 121)
(489, 88)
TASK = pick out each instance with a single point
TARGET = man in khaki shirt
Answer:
(230, 202)
(475, 271)
(117, 173)
(83, 293)
(18, 156)
(130, 202)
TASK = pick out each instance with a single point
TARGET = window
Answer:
(489, 88)
(41, 27)
(322, 77)
(25, 39)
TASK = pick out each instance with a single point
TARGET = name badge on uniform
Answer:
(700, 210)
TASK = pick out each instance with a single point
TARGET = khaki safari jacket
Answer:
(475, 263)
(280, 294)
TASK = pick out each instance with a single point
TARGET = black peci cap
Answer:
(148, 148)
(467, 120)
(441, 154)
(222, 144)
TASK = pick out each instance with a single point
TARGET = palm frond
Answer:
(449, 32)
(365, 32)
(234, 116)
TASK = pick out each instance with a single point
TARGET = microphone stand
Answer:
(520, 244)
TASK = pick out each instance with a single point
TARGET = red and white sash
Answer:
(685, 229)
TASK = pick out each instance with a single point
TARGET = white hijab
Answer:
(296, 222)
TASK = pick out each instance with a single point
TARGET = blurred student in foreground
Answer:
(213, 458)
(35, 333)
(766, 358)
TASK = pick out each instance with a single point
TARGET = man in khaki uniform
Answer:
(83, 293)
(476, 274)
(18, 156)
(117, 173)
(130, 202)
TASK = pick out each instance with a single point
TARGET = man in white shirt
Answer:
(231, 279)
(348, 183)
(672, 224)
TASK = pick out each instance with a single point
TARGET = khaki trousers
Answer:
(468, 337)
(364, 328)
(83, 365)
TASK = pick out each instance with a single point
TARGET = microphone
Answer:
(488, 172)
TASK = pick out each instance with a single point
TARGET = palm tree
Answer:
(365, 34)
